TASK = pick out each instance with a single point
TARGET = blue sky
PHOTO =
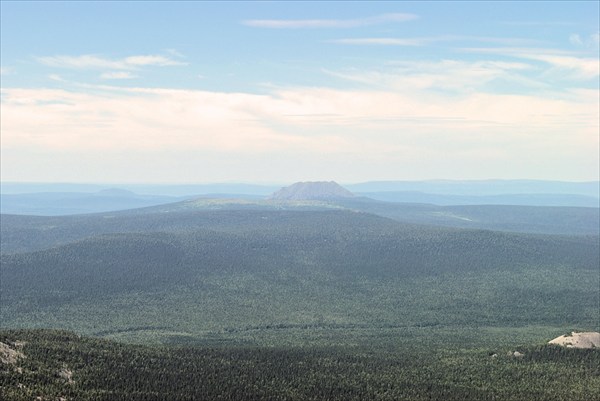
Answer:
(286, 91)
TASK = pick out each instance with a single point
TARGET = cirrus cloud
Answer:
(329, 23)
(89, 61)
(117, 75)
(577, 67)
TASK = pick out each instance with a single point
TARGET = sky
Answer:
(278, 92)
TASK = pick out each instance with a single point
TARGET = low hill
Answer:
(59, 365)
(20, 233)
(528, 219)
(320, 190)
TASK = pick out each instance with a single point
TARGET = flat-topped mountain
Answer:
(319, 190)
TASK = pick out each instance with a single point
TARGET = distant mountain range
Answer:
(65, 203)
(480, 187)
(531, 199)
(442, 187)
(65, 199)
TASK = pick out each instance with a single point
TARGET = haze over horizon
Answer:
(279, 92)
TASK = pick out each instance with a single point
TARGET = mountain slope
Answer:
(61, 365)
(291, 269)
(27, 233)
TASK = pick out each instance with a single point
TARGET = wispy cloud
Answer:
(538, 23)
(160, 61)
(175, 52)
(453, 76)
(423, 41)
(516, 50)
(89, 61)
(591, 41)
(117, 75)
(381, 41)
(330, 23)
(5, 70)
(575, 39)
(577, 67)
(582, 68)
(56, 77)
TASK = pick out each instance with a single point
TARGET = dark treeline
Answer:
(102, 370)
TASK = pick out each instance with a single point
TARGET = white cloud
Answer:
(331, 23)
(570, 65)
(318, 120)
(422, 41)
(56, 77)
(174, 52)
(582, 68)
(118, 75)
(151, 60)
(591, 41)
(81, 62)
(538, 23)
(96, 62)
(575, 39)
(447, 75)
(516, 51)
(5, 70)
(399, 121)
(380, 41)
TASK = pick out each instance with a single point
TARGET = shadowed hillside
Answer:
(61, 365)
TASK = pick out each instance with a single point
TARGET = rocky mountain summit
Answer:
(319, 190)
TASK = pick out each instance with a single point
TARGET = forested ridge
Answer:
(61, 364)
(21, 233)
(292, 305)
(297, 268)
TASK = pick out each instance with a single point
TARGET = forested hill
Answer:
(310, 303)
(19, 233)
(243, 269)
(53, 365)
(27, 233)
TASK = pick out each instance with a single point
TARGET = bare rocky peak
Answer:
(318, 190)
(10, 354)
(578, 340)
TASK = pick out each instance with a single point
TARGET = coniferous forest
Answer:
(246, 304)
(62, 364)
